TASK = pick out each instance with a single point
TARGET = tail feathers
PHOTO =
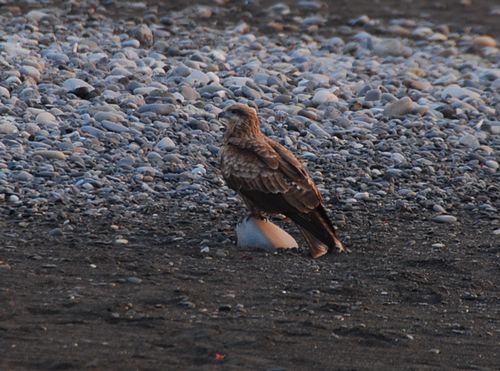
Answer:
(316, 247)
(318, 232)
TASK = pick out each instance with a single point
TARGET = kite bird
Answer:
(270, 179)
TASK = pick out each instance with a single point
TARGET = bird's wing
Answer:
(260, 149)
(271, 179)
(295, 170)
(262, 168)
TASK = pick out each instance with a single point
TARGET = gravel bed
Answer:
(102, 115)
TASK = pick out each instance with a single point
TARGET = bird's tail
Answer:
(316, 247)
(318, 232)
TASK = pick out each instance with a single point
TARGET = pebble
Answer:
(75, 84)
(24, 176)
(262, 234)
(373, 95)
(445, 219)
(365, 196)
(36, 15)
(469, 140)
(166, 144)
(485, 40)
(133, 107)
(324, 96)
(115, 127)
(4, 92)
(158, 108)
(46, 118)
(225, 307)
(50, 154)
(134, 280)
(438, 208)
(492, 164)
(108, 116)
(459, 92)
(399, 108)
(189, 93)
(197, 78)
(391, 48)
(8, 128)
(143, 34)
(422, 32)
(318, 131)
(30, 71)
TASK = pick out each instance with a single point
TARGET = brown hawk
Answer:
(270, 179)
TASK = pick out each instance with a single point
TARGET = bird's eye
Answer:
(237, 111)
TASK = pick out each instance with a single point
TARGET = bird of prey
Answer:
(270, 179)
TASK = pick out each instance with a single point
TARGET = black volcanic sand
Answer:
(413, 294)
(81, 301)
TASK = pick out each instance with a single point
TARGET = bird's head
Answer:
(240, 120)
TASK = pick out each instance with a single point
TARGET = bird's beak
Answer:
(223, 117)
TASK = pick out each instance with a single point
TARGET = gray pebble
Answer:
(373, 95)
(134, 280)
(75, 84)
(31, 72)
(445, 219)
(158, 108)
(166, 144)
(439, 209)
(115, 127)
(469, 141)
(46, 118)
(23, 176)
(399, 108)
(7, 128)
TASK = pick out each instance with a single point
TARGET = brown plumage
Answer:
(270, 179)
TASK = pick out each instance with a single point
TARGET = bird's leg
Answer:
(255, 212)
(257, 216)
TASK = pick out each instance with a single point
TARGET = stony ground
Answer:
(116, 230)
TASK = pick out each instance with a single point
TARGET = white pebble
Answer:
(445, 219)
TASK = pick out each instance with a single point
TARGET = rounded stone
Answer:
(485, 40)
(4, 92)
(166, 144)
(51, 154)
(72, 85)
(143, 34)
(24, 176)
(7, 128)
(31, 72)
(324, 96)
(158, 108)
(365, 196)
(492, 164)
(373, 95)
(445, 219)
(399, 108)
(469, 140)
(46, 118)
(262, 234)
